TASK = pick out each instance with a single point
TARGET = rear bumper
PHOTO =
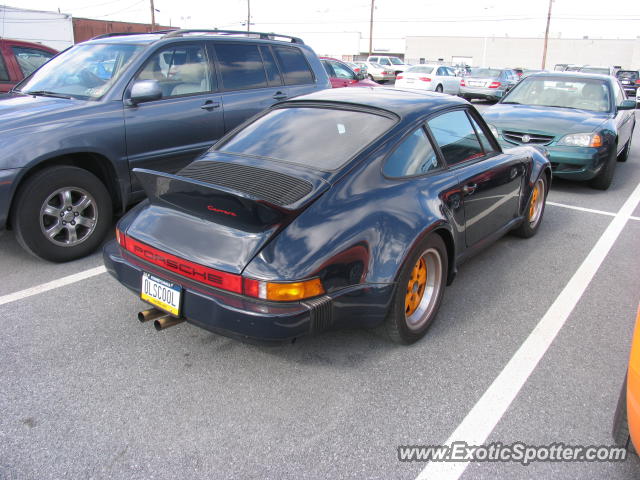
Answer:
(237, 316)
(7, 187)
(481, 93)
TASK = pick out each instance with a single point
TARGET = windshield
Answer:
(584, 94)
(485, 72)
(627, 75)
(421, 69)
(319, 138)
(601, 71)
(84, 72)
(396, 61)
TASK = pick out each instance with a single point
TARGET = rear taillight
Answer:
(424, 79)
(274, 291)
(494, 84)
(399, 77)
(463, 83)
(638, 82)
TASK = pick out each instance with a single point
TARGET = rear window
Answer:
(485, 72)
(627, 75)
(420, 69)
(319, 138)
(240, 66)
(295, 68)
(601, 71)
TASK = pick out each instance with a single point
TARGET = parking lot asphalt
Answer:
(89, 392)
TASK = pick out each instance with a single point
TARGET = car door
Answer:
(454, 82)
(168, 133)
(490, 181)
(624, 118)
(345, 77)
(250, 80)
(297, 73)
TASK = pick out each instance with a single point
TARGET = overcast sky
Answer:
(394, 18)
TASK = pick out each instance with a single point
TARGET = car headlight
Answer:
(494, 130)
(581, 140)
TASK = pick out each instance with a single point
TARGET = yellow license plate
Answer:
(161, 294)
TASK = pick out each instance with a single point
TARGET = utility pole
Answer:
(153, 16)
(371, 29)
(546, 36)
(248, 15)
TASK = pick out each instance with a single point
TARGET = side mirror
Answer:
(360, 76)
(627, 105)
(145, 91)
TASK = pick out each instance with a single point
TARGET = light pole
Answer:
(546, 36)
(371, 29)
(248, 15)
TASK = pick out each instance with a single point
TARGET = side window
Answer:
(4, 75)
(619, 93)
(440, 72)
(414, 156)
(294, 66)
(180, 70)
(240, 66)
(328, 68)
(486, 145)
(455, 136)
(384, 61)
(273, 74)
(30, 58)
(373, 60)
(451, 72)
(342, 71)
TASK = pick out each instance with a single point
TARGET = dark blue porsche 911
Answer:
(340, 208)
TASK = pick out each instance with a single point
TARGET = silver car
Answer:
(378, 73)
(487, 83)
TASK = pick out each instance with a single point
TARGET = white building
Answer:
(52, 29)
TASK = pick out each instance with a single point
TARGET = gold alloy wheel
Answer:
(536, 203)
(423, 289)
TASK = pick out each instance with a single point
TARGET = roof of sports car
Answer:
(401, 102)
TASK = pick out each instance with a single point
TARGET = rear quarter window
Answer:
(294, 66)
(4, 75)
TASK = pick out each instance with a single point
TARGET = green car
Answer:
(584, 121)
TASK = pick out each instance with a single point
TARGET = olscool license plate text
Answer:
(160, 293)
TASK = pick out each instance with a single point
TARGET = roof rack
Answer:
(121, 34)
(261, 35)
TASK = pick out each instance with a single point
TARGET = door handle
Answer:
(469, 189)
(210, 105)
(280, 96)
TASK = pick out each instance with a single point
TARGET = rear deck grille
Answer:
(274, 187)
(533, 138)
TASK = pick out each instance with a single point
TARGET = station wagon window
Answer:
(295, 68)
(179, 70)
(240, 66)
(414, 156)
(273, 74)
(4, 75)
(320, 138)
(456, 137)
(30, 59)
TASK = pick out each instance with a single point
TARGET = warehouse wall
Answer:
(52, 29)
(525, 52)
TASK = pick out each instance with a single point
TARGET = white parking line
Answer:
(589, 210)
(487, 412)
(61, 282)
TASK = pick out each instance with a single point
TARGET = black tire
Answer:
(397, 324)
(371, 77)
(624, 155)
(603, 180)
(620, 430)
(533, 214)
(89, 202)
(439, 89)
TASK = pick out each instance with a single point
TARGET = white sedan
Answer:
(436, 78)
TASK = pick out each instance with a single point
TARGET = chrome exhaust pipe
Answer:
(151, 314)
(166, 321)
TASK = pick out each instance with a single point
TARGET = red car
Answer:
(18, 59)
(341, 75)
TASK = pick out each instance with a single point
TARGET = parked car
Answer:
(73, 130)
(378, 73)
(363, 67)
(584, 120)
(19, 59)
(355, 67)
(340, 75)
(626, 421)
(360, 217)
(436, 78)
(397, 65)
(487, 83)
(630, 81)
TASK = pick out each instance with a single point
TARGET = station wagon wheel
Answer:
(61, 213)
(534, 210)
(419, 291)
